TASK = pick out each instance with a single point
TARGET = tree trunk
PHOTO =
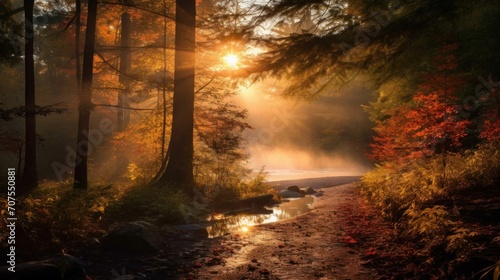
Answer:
(29, 179)
(179, 171)
(77, 46)
(164, 156)
(82, 143)
(123, 115)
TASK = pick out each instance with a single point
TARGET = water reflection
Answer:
(240, 222)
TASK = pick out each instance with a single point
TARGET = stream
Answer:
(224, 224)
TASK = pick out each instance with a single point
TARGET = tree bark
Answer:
(85, 106)
(164, 156)
(123, 114)
(77, 46)
(29, 178)
(179, 171)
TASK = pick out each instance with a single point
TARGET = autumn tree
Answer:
(219, 129)
(12, 41)
(431, 124)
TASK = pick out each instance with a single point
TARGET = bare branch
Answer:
(116, 106)
(11, 13)
(65, 28)
(171, 17)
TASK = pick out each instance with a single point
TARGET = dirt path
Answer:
(316, 245)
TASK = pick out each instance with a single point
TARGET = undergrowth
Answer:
(425, 198)
(56, 212)
(157, 205)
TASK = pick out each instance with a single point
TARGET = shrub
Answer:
(420, 196)
(55, 212)
(155, 204)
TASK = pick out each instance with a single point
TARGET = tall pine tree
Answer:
(179, 170)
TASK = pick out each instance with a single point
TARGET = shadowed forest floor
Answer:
(316, 245)
(333, 241)
(342, 237)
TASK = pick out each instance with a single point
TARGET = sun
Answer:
(231, 60)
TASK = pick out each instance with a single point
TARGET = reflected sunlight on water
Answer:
(243, 222)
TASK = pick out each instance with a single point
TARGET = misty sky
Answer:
(327, 132)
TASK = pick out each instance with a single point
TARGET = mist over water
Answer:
(293, 138)
(294, 164)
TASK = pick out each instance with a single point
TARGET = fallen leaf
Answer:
(371, 252)
(350, 240)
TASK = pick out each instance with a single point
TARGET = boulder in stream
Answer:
(294, 189)
(309, 190)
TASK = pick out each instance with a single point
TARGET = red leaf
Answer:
(371, 252)
(350, 240)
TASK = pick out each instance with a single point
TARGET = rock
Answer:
(289, 194)
(133, 237)
(195, 231)
(294, 188)
(60, 267)
(309, 190)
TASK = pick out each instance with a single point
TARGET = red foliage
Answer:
(490, 130)
(393, 139)
(491, 127)
(412, 132)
